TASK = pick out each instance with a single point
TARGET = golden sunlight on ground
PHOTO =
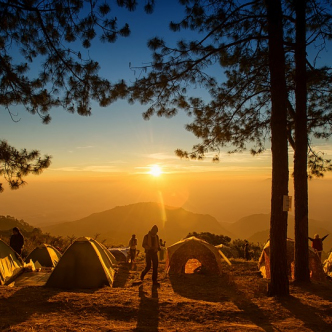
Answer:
(155, 170)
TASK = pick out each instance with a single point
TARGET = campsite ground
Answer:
(236, 301)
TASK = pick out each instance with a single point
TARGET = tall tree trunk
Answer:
(301, 148)
(279, 284)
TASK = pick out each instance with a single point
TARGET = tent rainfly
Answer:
(85, 264)
(45, 254)
(315, 266)
(179, 253)
(120, 254)
(10, 265)
(227, 251)
(328, 266)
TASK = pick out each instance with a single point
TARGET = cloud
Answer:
(93, 168)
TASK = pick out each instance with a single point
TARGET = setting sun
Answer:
(155, 170)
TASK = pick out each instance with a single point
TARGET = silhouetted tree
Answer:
(301, 255)
(278, 224)
(71, 238)
(255, 250)
(211, 238)
(14, 164)
(235, 36)
(43, 35)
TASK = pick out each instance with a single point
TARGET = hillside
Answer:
(118, 224)
(235, 301)
(7, 223)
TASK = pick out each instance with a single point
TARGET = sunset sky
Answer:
(105, 160)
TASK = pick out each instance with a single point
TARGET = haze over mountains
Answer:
(118, 224)
(255, 228)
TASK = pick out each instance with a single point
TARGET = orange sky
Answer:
(226, 195)
(102, 161)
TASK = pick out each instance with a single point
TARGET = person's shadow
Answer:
(121, 276)
(148, 311)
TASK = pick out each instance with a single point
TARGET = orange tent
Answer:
(179, 253)
(315, 266)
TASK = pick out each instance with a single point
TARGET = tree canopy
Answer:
(211, 238)
(45, 63)
(15, 164)
(254, 42)
(237, 115)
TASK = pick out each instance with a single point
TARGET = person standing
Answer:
(132, 248)
(317, 244)
(17, 241)
(151, 245)
(246, 250)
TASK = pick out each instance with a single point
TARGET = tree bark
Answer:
(301, 271)
(279, 284)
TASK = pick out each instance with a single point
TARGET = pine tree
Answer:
(278, 223)
(301, 271)
(238, 113)
(41, 67)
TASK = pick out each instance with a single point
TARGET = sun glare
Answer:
(155, 170)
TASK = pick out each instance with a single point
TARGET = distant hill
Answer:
(118, 224)
(7, 223)
(249, 225)
(255, 228)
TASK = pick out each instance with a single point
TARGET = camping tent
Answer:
(10, 265)
(193, 248)
(45, 254)
(120, 254)
(85, 264)
(315, 266)
(328, 266)
(228, 251)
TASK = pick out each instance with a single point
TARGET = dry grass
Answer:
(235, 301)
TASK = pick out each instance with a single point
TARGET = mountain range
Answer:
(118, 224)
(255, 228)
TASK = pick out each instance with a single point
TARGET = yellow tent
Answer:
(85, 264)
(45, 254)
(179, 253)
(328, 266)
(10, 265)
(315, 266)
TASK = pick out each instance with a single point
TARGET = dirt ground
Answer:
(235, 301)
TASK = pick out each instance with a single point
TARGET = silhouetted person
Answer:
(151, 245)
(317, 244)
(162, 245)
(132, 248)
(246, 250)
(17, 241)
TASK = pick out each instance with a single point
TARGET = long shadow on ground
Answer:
(311, 316)
(148, 312)
(26, 301)
(220, 289)
(122, 275)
